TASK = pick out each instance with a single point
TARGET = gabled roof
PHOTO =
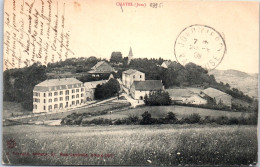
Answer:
(131, 71)
(179, 92)
(97, 65)
(102, 66)
(211, 92)
(148, 85)
(93, 84)
(58, 84)
(167, 63)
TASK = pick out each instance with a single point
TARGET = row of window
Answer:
(59, 93)
(56, 106)
(56, 99)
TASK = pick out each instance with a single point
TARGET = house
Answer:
(187, 96)
(141, 88)
(90, 89)
(129, 76)
(100, 68)
(219, 96)
(167, 64)
(54, 94)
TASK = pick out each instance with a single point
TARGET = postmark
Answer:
(201, 45)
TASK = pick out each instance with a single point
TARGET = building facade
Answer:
(129, 76)
(57, 94)
(141, 88)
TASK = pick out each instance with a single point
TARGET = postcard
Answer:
(133, 83)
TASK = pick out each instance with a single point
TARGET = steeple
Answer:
(130, 56)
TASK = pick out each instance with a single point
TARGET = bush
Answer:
(158, 98)
(171, 117)
(147, 119)
(192, 119)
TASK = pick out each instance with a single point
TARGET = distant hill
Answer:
(247, 83)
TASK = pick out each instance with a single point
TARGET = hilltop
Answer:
(247, 83)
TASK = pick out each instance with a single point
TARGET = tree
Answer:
(109, 89)
(146, 118)
(116, 57)
(157, 98)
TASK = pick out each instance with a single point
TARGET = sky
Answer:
(97, 28)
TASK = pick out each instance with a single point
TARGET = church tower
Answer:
(130, 56)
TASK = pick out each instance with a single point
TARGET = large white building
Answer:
(56, 94)
(129, 76)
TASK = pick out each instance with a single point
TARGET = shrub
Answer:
(193, 118)
(171, 117)
(158, 98)
(147, 118)
(223, 120)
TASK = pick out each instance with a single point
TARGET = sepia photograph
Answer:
(130, 83)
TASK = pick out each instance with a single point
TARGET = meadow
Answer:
(162, 111)
(131, 145)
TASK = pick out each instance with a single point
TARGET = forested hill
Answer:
(19, 83)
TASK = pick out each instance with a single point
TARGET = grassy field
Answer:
(131, 145)
(15, 108)
(161, 111)
(109, 105)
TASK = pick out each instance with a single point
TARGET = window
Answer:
(50, 107)
(81, 100)
(77, 102)
(77, 96)
(50, 100)
(61, 98)
(140, 76)
(61, 92)
(34, 106)
(67, 98)
(82, 89)
(73, 96)
(82, 95)
(50, 94)
(39, 94)
(44, 107)
(44, 94)
(55, 106)
(61, 105)
(56, 99)
(55, 93)
(44, 101)
(73, 90)
(67, 92)
(134, 76)
(77, 90)
(73, 102)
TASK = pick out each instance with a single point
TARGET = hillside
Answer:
(247, 83)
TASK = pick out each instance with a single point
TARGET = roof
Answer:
(148, 85)
(211, 92)
(131, 71)
(167, 63)
(58, 84)
(179, 92)
(98, 64)
(93, 84)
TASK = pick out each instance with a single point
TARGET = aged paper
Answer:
(130, 82)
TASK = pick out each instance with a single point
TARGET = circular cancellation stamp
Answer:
(201, 45)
